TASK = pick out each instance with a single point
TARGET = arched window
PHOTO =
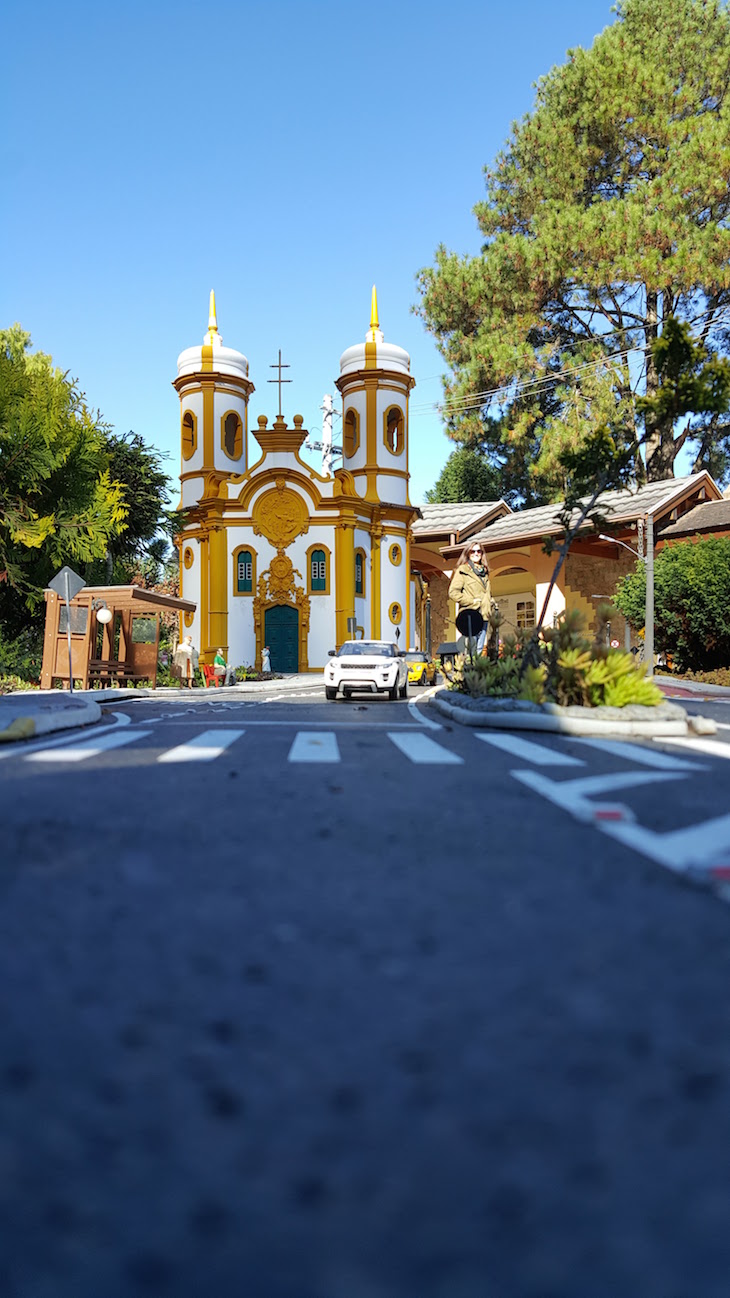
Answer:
(394, 437)
(189, 434)
(318, 564)
(352, 432)
(244, 571)
(359, 572)
(318, 570)
(232, 435)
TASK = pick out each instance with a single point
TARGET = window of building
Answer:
(189, 434)
(244, 571)
(525, 614)
(232, 430)
(394, 438)
(352, 432)
(359, 572)
(318, 570)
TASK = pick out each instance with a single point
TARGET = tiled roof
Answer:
(703, 518)
(617, 507)
(454, 517)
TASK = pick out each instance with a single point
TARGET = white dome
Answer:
(388, 356)
(225, 359)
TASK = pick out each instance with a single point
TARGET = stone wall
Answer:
(590, 576)
(438, 588)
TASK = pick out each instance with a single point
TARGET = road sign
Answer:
(351, 621)
(615, 644)
(470, 621)
(67, 583)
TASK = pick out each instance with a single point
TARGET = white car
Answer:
(369, 666)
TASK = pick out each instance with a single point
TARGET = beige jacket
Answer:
(469, 590)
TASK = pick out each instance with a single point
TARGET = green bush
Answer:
(561, 666)
(691, 602)
(23, 655)
(9, 684)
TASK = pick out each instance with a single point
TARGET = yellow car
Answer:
(421, 671)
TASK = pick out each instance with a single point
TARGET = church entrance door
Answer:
(281, 634)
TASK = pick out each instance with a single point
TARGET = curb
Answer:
(30, 727)
(560, 724)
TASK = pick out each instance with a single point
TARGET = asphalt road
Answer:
(308, 1000)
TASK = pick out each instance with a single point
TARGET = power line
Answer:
(473, 400)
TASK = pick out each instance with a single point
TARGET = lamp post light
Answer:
(649, 603)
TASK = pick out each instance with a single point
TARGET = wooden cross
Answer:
(279, 380)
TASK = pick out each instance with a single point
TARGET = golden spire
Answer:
(374, 310)
(212, 322)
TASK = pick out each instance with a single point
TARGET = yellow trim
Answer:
(204, 602)
(395, 554)
(319, 545)
(188, 557)
(248, 549)
(238, 441)
(350, 450)
(376, 536)
(208, 417)
(409, 581)
(362, 593)
(374, 310)
(371, 356)
(188, 452)
(218, 613)
(206, 358)
(386, 443)
(344, 576)
(371, 453)
(395, 613)
(188, 618)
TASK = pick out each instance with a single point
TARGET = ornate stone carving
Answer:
(280, 515)
(276, 585)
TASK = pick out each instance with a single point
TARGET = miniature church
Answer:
(278, 554)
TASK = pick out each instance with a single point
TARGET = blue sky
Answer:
(288, 155)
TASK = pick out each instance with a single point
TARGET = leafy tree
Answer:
(58, 502)
(691, 602)
(606, 217)
(467, 475)
(149, 525)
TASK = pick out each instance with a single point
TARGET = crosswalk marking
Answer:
(644, 756)
(710, 746)
(92, 747)
(527, 751)
(422, 750)
(202, 748)
(314, 746)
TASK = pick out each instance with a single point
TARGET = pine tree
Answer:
(606, 217)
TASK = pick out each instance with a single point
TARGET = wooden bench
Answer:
(105, 671)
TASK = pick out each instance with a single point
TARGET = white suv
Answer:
(372, 666)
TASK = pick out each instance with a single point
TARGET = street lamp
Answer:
(649, 610)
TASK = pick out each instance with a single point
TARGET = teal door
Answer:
(281, 634)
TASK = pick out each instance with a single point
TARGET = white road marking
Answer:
(424, 721)
(422, 750)
(644, 756)
(701, 746)
(680, 849)
(92, 747)
(314, 746)
(202, 748)
(527, 751)
(573, 795)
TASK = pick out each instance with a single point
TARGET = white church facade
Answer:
(277, 553)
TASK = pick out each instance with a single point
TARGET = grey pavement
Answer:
(25, 714)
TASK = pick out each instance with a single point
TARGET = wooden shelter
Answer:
(123, 649)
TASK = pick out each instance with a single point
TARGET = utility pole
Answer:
(326, 446)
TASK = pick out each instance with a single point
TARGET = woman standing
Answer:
(469, 586)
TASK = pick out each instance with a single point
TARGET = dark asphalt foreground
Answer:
(333, 1033)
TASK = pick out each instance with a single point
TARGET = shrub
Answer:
(9, 684)
(691, 602)
(561, 666)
